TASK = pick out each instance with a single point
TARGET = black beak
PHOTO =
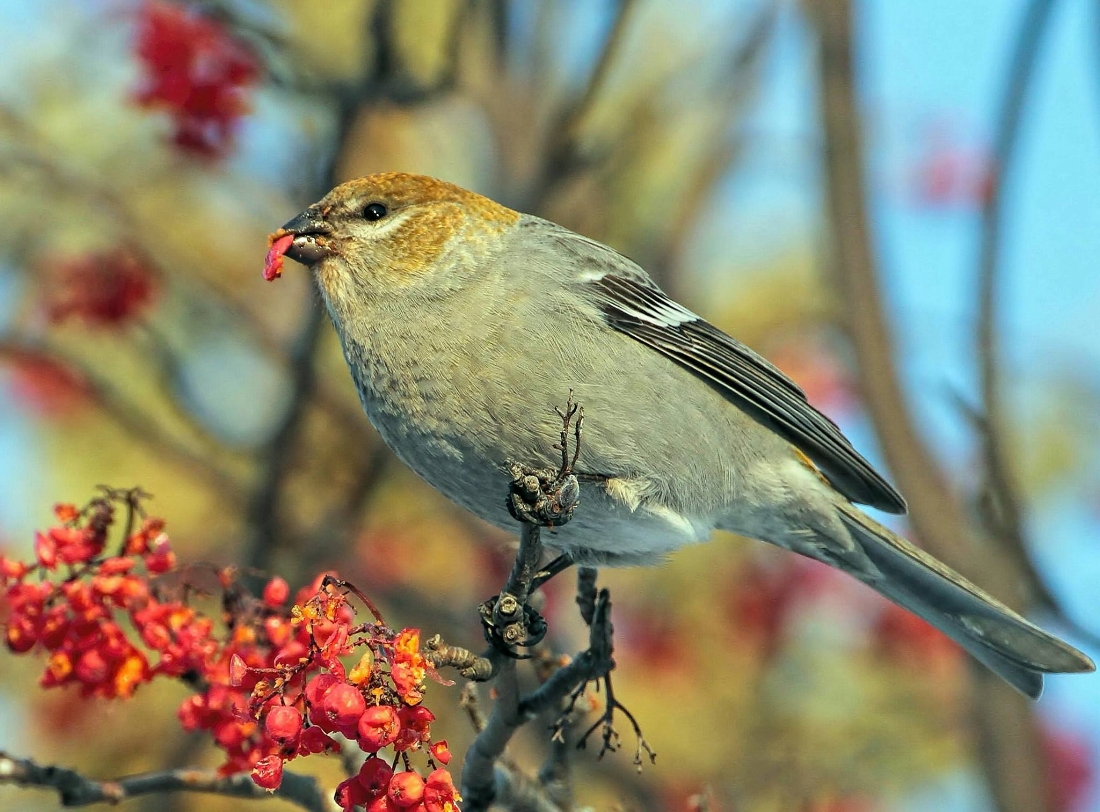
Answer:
(309, 229)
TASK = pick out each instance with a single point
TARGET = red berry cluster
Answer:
(196, 71)
(74, 620)
(270, 679)
(103, 289)
(306, 696)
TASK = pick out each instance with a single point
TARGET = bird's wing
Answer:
(631, 303)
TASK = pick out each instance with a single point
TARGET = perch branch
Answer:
(74, 789)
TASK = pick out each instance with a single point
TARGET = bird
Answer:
(464, 322)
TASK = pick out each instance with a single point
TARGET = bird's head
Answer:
(384, 234)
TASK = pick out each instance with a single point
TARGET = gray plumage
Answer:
(686, 430)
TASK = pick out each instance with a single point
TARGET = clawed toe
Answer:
(509, 625)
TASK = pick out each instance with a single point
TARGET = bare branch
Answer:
(74, 789)
(1012, 758)
(518, 793)
(471, 703)
(481, 773)
(473, 667)
(562, 156)
(1004, 511)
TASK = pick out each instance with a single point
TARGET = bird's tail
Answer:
(1016, 650)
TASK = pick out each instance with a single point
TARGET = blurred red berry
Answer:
(45, 386)
(950, 173)
(1070, 772)
(20, 635)
(268, 772)
(901, 635)
(196, 71)
(276, 592)
(104, 289)
(92, 668)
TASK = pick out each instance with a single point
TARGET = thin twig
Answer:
(470, 702)
(74, 789)
(512, 711)
(563, 158)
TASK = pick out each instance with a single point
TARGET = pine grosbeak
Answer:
(464, 323)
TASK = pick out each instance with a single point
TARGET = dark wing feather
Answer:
(635, 306)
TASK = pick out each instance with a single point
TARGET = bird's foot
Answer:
(547, 497)
(509, 624)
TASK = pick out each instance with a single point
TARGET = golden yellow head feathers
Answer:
(395, 227)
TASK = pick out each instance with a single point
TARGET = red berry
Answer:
(375, 775)
(92, 668)
(350, 794)
(229, 733)
(12, 569)
(45, 550)
(20, 635)
(283, 723)
(344, 705)
(276, 592)
(318, 687)
(417, 717)
(315, 740)
(406, 789)
(378, 727)
(439, 792)
(440, 752)
(268, 772)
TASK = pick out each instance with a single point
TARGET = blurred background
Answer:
(803, 174)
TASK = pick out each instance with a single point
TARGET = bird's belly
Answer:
(603, 531)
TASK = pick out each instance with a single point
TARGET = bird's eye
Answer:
(374, 211)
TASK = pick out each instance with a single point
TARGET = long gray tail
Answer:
(1013, 648)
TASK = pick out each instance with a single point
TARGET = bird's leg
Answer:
(507, 619)
(537, 498)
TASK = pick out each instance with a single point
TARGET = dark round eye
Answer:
(374, 211)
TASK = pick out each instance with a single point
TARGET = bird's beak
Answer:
(310, 231)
